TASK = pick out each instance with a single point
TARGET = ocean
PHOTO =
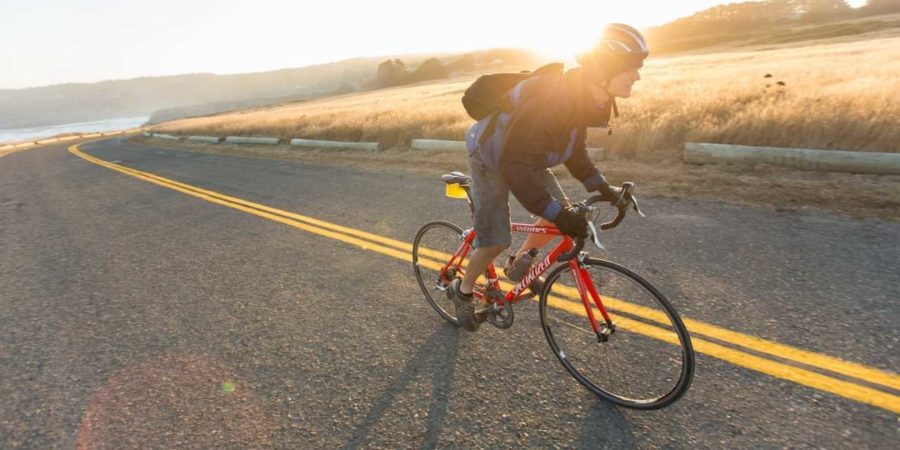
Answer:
(35, 133)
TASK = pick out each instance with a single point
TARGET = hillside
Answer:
(142, 96)
(772, 22)
(198, 94)
(835, 95)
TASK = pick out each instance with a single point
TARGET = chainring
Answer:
(500, 312)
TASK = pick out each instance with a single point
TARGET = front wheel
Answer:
(646, 362)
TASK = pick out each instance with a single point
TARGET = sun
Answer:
(565, 45)
(562, 37)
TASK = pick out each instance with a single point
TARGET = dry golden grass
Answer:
(837, 96)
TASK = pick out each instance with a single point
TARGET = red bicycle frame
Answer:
(586, 289)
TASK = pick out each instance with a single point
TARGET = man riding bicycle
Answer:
(547, 127)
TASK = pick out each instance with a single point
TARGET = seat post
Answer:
(469, 199)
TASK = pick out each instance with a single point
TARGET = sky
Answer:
(45, 42)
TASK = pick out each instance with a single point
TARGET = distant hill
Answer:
(206, 109)
(199, 94)
(75, 102)
(771, 22)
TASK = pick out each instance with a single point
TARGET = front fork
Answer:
(586, 288)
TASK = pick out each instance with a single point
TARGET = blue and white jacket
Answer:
(547, 128)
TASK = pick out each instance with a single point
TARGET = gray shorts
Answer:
(490, 196)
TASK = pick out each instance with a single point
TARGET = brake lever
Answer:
(595, 237)
(634, 205)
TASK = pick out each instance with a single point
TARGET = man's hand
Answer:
(571, 224)
(610, 193)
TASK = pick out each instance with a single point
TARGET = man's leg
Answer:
(478, 263)
(490, 196)
(535, 240)
(491, 202)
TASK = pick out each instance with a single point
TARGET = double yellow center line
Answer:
(843, 378)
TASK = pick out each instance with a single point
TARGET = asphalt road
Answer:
(133, 315)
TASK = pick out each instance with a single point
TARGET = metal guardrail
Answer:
(316, 143)
(694, 153)
(251, 140)
(167, 137)
(207, 139)
(802, 159)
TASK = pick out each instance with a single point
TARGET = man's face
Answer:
(621, 84)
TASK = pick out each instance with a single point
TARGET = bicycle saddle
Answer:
(456, 177)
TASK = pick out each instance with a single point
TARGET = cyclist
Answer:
(547, 127)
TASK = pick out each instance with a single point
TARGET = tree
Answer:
(874, 7)
(463, 64)
(430, 69)
(390, 73)
(821, 10)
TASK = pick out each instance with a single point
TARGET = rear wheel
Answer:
(647, 362)
(435, 244)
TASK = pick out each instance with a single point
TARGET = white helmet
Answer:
(621, 39)
(621, 47)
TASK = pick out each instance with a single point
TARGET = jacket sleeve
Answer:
(581, 167)
(534, 127)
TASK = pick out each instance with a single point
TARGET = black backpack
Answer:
(487, 94)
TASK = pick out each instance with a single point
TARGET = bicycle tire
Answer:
(640, 325)
(419, 260)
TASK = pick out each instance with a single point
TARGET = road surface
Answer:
(160, 298)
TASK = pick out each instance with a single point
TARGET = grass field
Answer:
(839, 95)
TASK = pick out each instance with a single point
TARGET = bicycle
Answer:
(585, 304)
